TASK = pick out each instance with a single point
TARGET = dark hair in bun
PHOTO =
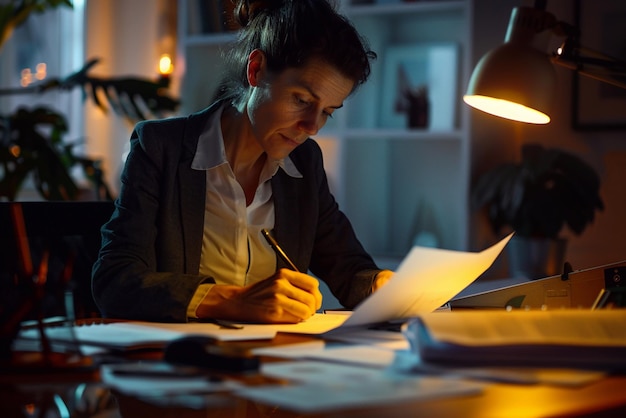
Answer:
(290, 32)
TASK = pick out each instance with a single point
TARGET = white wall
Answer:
(125, 36)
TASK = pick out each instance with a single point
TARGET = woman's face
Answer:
(285, 109)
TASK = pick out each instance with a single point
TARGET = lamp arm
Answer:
(590, 63)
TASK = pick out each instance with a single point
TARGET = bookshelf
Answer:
(398, 185)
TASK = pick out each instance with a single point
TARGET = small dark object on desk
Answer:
(160, 370)
(394, 326)
(202, 351)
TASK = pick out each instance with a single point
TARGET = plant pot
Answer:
(535, 258)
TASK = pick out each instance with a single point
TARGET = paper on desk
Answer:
(363, 354)
(138, 334)
(315, 325)
(319, 386)
(155, 386)
(425, 280)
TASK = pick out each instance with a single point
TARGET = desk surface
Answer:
(604, 398)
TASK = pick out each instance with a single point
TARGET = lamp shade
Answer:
(514, 81)
(517, 80)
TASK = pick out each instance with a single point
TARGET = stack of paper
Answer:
(590, 339)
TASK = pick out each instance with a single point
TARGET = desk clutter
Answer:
(398, 351)
(363, 367)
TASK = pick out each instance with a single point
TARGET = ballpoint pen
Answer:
(270, 239)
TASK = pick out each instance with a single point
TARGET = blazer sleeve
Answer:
(141, 270)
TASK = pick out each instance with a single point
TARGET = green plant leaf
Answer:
(15, 12)
(546, 190)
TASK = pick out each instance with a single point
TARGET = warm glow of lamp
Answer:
(506, 109)
(516, 80)
(166, 66)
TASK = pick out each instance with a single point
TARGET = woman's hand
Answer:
(286, 297)
(381, 278)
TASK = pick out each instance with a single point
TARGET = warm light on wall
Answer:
(166, 66)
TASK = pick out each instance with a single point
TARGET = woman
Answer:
(185, 239)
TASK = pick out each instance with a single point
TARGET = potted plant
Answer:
(546, 191)
(31, 139)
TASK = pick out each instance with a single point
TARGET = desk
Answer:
(604, 398)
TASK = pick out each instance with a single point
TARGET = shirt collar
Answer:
(210, 151)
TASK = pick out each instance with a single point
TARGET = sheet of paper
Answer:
(139, 384)
(315, 325)
(319, 386)
(390, 340)
(291, 351)
(425, 280)
(366, 355)
(137, 334)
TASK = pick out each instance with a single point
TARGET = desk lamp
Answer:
(517, 79)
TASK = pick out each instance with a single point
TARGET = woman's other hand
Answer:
(380, 279)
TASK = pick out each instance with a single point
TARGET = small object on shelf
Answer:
(410, 70)
(418, 106)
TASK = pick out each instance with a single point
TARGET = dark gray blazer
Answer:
(149, 261)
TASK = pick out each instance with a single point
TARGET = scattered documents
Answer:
(140, 335)
(590, 339)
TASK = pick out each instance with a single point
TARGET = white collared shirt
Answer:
(233, 249)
